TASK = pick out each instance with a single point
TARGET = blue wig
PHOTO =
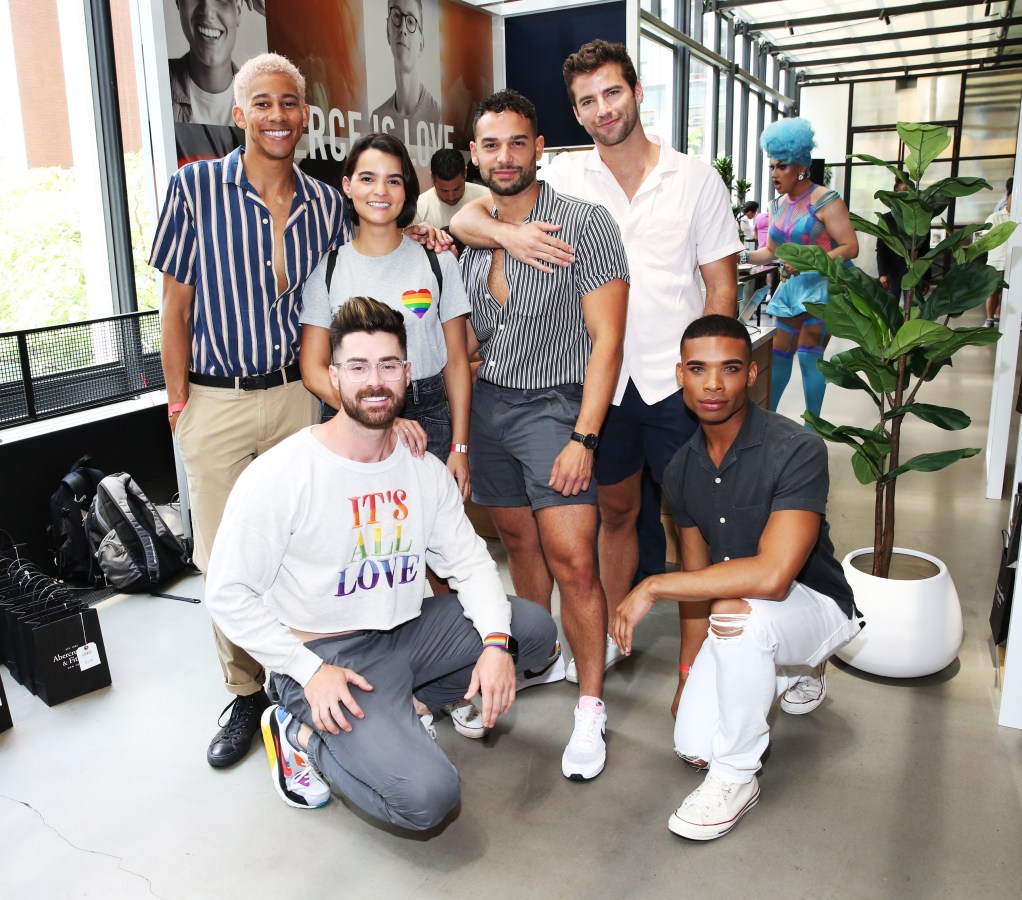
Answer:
(789, 140)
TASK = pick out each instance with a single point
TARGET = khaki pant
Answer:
(219, 432)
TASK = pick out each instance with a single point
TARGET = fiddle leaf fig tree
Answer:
(902, 344)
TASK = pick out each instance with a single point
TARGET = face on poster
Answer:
(206, 42)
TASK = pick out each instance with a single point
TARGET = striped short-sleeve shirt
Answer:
(537, 338)
(215, 233)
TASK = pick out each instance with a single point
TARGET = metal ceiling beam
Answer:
(925, 51)
(1001, 63)
(1004, 24)
(860, 15)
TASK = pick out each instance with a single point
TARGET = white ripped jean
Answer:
(722, 717)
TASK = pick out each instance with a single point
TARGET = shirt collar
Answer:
(234, 173)
(751, 434)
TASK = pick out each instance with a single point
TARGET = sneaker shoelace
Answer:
(243, 712)
(711, 795)
(587, 728)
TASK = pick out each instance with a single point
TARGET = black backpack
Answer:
(135, 548)
(69, 505)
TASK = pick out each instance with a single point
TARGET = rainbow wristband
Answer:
(500, 641)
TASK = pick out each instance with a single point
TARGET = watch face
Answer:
(590, 441)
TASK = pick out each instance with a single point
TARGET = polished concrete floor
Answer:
(891, 789)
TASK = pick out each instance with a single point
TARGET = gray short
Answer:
(515, 437)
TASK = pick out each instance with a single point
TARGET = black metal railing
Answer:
(46, 372)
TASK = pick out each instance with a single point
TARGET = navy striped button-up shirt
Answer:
(215, 233)
(537, 338)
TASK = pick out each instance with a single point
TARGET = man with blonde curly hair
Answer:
(236, 241)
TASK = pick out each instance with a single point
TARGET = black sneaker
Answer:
(233, 741)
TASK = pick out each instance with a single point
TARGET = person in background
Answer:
(998, 257)
(891, 266)
(803, 213)
(746, 221)
(450, 191)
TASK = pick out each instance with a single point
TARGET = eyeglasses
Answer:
(397, 17)
(389, 369)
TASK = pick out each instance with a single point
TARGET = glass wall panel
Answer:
(926, 99)
(701, 116)
(990, 117)
(656, 72)
(979, 206)
(881, 144)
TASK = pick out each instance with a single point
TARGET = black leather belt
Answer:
(249, 382)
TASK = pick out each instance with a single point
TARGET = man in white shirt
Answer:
(318, 571)
(677, 225)
(450, 191)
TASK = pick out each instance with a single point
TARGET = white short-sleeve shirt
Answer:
(679, 219)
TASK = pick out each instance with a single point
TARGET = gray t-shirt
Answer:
(404, 280)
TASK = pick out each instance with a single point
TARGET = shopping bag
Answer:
(68, 654)
(5, 710)
(1000, 612)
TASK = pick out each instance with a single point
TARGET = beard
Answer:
(525, 179)
(625, 127)
(375, 419)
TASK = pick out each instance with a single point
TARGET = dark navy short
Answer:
(636, 432)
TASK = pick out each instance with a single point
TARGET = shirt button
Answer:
(266, 221)
(492, 362)
(726, 558)
(276, 346)
(722, 520)
(269, 262)
(501, 327)
(716, 481)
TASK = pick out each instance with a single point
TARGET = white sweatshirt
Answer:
(320, 543)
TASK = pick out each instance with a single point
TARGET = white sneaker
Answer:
(713, 808)
(612, 656)
(467, 720)
(294, 777)
(427, 723)
(551, 671)
(586, 753)
(807, 693)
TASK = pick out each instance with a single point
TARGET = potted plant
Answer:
(901, 345)
(736, 189)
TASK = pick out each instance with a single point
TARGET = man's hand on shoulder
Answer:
(494, 678)
(536, 245)
(327, 691)
(572, 471)
(431, 238)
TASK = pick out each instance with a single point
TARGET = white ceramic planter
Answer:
(913, 628)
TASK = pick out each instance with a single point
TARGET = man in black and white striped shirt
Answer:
(551, 346)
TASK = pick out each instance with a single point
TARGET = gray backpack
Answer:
(133, 544)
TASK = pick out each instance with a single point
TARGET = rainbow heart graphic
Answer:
(417, 301)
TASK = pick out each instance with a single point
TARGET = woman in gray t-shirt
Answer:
(382, 189)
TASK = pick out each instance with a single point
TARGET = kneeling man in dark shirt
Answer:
(748, 493)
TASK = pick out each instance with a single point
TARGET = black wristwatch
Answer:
(589, 441)
(503, 642)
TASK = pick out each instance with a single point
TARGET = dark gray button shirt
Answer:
(773, 464)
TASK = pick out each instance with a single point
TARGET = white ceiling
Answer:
(872, 42)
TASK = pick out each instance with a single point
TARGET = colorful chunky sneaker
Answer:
(586, 753)
(807, 693)
(552, 670)
(612, 656)
(297, 782)
(713, 808)
(467, 720)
